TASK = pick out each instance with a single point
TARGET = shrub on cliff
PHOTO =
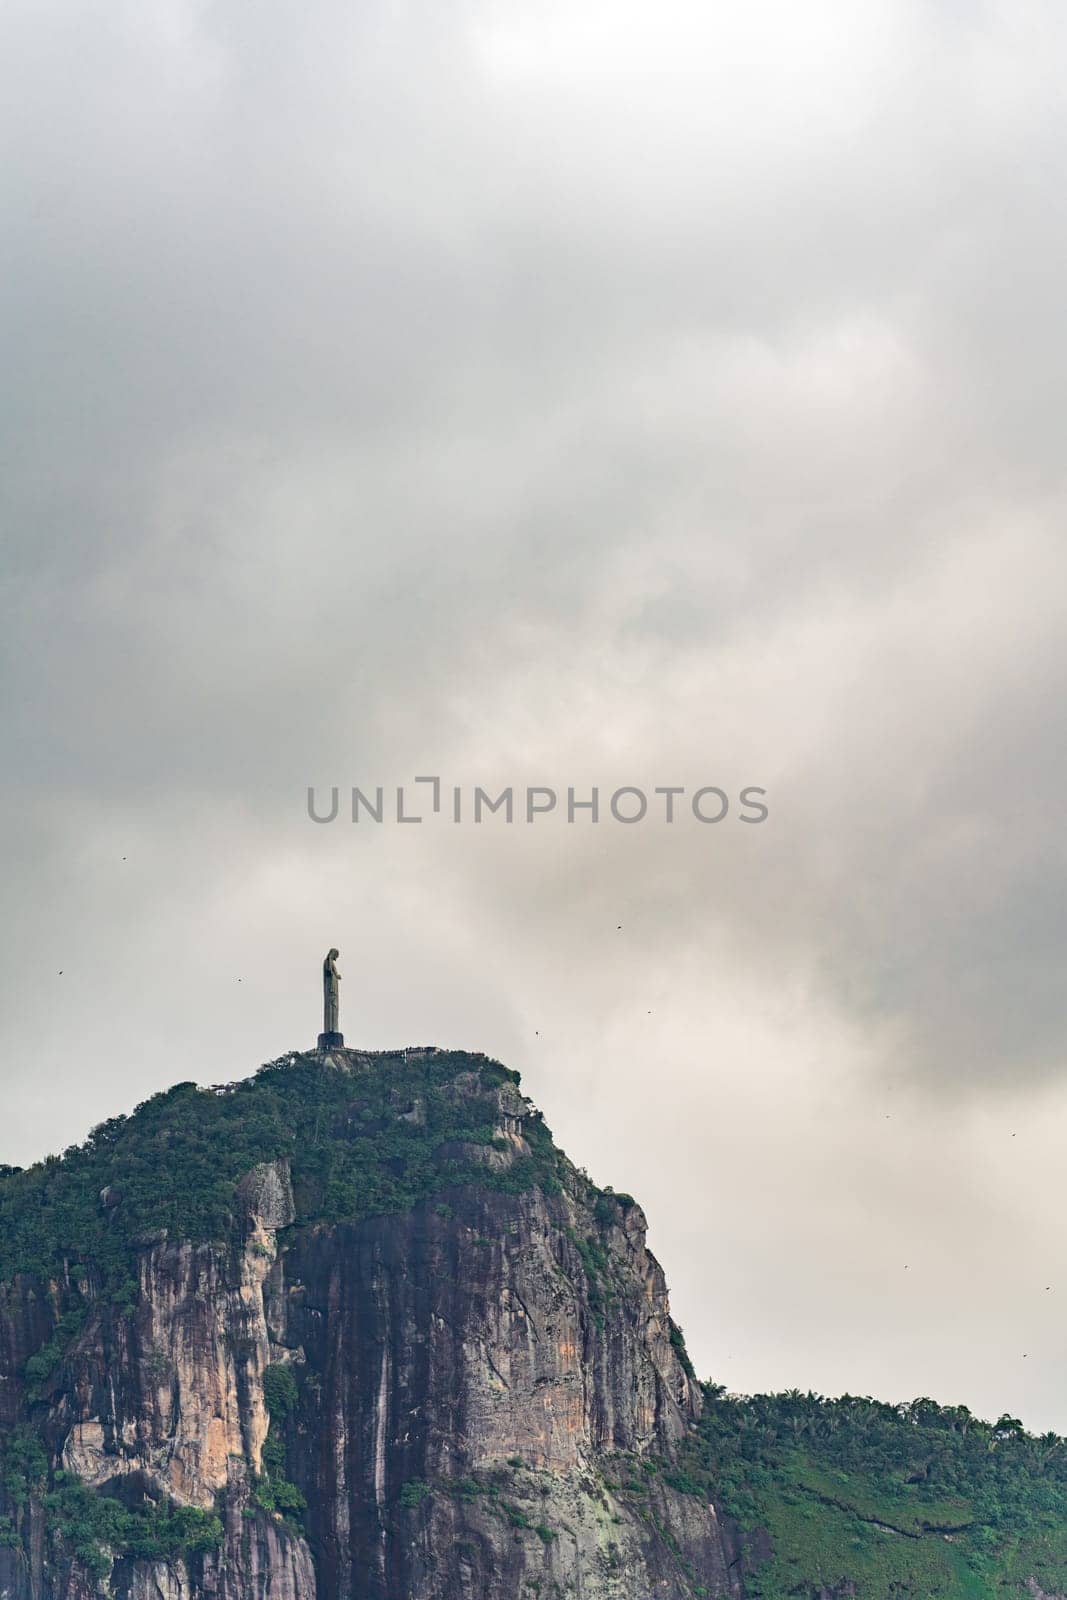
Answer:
(96, 1528)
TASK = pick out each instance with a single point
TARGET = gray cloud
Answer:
(552, 395)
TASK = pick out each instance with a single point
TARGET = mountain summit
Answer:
(355, 1327)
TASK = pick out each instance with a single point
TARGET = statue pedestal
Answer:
(331, 1041)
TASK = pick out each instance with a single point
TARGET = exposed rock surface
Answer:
(479, 1378)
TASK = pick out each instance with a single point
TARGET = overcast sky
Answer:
(566, 394)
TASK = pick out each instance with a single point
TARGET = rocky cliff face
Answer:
(477, 1397)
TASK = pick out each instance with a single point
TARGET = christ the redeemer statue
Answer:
(331, 1038)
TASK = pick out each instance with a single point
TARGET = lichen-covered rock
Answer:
(173, 1392)
(487, 1342)
(267, 1196)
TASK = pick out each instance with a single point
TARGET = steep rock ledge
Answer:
(469, 1371)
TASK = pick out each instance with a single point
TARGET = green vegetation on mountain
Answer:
(274, 1492)
(916, 1500)
(357, 1149)
(96, 1527)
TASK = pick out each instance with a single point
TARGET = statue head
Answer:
(332, 955)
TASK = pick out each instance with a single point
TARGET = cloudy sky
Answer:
(572, 394)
